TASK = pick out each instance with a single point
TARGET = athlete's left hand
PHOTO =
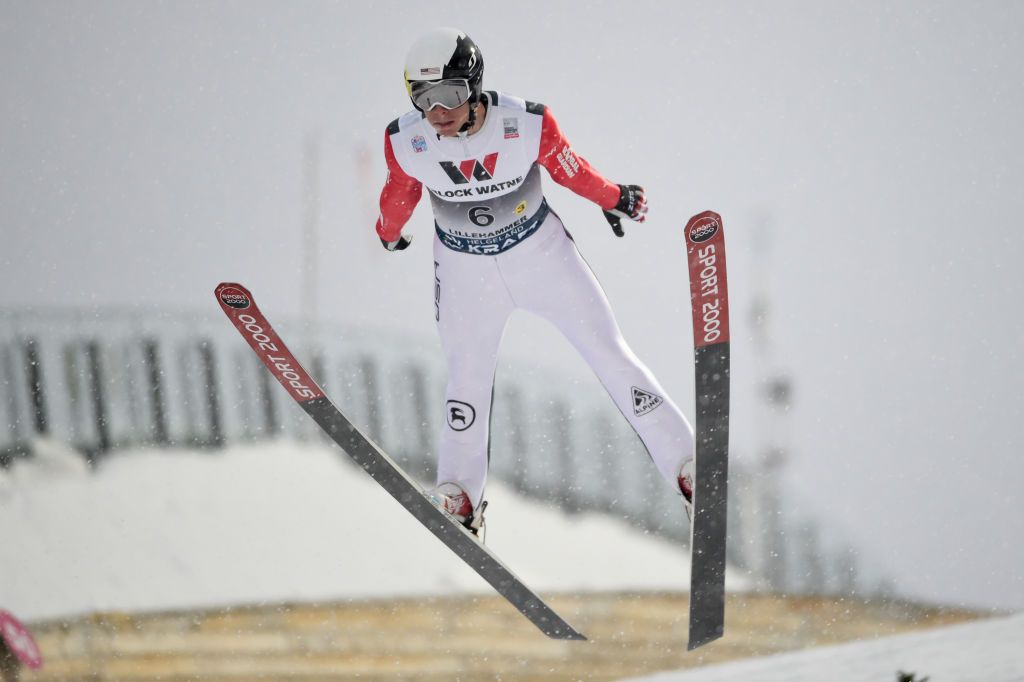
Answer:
(400, 244)
(632, 204)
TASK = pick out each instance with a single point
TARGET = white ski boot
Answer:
(686, 478)
(453, 500)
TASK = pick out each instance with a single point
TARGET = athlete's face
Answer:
(448, 122)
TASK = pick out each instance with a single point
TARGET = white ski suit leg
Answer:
(473, 307)
(558, 285)
(547, 276)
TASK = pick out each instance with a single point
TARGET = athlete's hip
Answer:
(492, 243)
(535, 234)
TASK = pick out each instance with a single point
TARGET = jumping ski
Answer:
(240, 307)
(709, 299)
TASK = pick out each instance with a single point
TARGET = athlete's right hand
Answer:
(399, 244)
(632, 204)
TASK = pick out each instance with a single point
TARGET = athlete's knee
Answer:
(612, 354)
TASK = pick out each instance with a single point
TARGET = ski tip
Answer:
(226, 285)
(703, 227)
(233, 295)
(703, 215)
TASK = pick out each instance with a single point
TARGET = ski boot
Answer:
(686, 477)
(454, 501)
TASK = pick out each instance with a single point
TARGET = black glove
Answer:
(399, 244)
(632, 204)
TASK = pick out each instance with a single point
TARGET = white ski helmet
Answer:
(444, 67)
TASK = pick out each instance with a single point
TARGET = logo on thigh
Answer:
(644, 402)
(460, 415)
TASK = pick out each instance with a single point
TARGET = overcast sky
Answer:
(867, 159)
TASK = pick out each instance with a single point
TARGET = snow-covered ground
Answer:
(170, 529)
(985, 651)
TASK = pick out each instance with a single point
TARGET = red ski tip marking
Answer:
(709, 293)
(234, 296)
(19, 641)
(703, 227)
(238, 304)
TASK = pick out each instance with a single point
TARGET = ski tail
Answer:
(709, 298)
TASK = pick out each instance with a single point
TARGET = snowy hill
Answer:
(173, 529)
(986, 651)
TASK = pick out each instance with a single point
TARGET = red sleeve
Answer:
(399, 197)
(570, 170)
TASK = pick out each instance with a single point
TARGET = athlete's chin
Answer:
(445, 128)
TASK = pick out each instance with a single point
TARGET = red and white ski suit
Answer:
(499, 247)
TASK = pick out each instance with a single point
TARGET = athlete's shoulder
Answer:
(404, 122)
(404, 139)
(507, 101)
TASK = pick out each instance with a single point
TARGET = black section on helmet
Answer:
(467, 62)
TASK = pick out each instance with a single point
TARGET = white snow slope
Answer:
(985, 651)
(172, 529)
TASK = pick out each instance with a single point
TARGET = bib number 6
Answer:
(481, 216)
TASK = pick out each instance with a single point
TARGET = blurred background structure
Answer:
(122, 379)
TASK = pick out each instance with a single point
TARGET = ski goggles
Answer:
(449, 93)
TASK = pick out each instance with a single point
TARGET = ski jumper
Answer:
(499, 247)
